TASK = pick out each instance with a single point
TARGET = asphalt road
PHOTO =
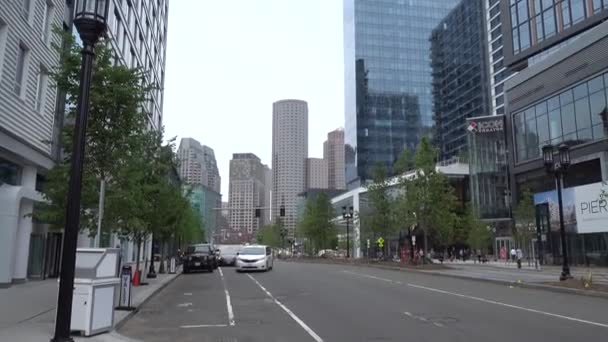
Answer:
(319, 302)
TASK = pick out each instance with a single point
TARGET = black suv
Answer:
(199, 257)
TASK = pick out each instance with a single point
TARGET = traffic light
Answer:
(282, 211)
(257, 212)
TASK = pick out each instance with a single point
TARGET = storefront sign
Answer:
(486, 126)
(585, 208)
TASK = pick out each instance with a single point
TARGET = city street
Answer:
(322, 302)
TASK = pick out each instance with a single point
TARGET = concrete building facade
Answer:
(289, 153)
(317, 173)
(198, 164)
(247, 192)
(333, 153)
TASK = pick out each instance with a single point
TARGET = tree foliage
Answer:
(478, 235)
(380, 220)
(405, 162)
(316, 223)
(270, 235)
(525, 218)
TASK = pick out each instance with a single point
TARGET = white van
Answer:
(254, 257)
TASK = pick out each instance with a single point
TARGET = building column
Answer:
(356, 227)
(604, 165)
(9, 223)
(28, 181)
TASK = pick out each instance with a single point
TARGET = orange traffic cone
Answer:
(136, 278)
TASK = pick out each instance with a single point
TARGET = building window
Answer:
(578, 10)
(117, 23)
(549, 22)
(49, 11)
(41, 86)
(21, 70)
(575, 116)
(10, 173)
(566, 18)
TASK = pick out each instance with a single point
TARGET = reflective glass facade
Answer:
(534, 21)
(460, 75)
(498, 71)
(574, 116)
(388, 91)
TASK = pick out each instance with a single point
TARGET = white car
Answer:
(254, 258)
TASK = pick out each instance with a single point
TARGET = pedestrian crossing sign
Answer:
(380, 242)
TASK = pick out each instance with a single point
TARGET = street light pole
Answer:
(90, 20)
(558, 168)
(347, 215)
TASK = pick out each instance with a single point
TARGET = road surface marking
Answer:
(203, 326)
(374, 277)
(187, 293)
(423, 319)
(228, 302)
(184, 305)
(509, 305)
(289, 312)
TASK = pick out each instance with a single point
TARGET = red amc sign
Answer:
(486, 126)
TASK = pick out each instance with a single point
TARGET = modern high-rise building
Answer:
(333, 153)
(459, 64)
(497, 69)
(198, 164)
(388, 79)
(317, 173)
(27, 116)
(138, 34)
(247, 193)
(267, 195)
(289, 153)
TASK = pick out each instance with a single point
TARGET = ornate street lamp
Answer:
(558, 167)
(347, 215)
(90, 19)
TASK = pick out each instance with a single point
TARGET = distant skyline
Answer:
(228, 61)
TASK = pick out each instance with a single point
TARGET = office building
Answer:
(247, 194)
(289, 153)
(497, 69)
(137, 30)
(459, 65)
(197, 164)
(559, 99)
(27, 132)
(317, 173)
(333, 153)
(206, 202)
(267, 195)
(388, 81)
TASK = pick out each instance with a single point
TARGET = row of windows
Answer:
(23, 63)
(533, 21)
(577, 115)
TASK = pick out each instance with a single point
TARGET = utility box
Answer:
(95, 286)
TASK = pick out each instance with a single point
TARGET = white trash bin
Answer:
(95, 287)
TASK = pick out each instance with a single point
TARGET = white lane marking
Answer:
(289, 312)
(423, 319)
(203, 326)
(574, 319)
(374, 277)
(510, 306)
(228, 302)
(184, 305)
(187, 293)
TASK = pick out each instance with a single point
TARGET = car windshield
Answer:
(229, 249)
(254, 251)
(199, 249)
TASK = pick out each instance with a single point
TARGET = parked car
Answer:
(199, 257)
(254, 257)
(228, 254)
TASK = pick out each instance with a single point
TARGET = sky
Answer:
(229, 60)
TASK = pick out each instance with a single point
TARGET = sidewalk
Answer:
(27, 311)
(508, 272)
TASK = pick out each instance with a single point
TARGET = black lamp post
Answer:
(90, 19)
(347, 215)
(558, 167)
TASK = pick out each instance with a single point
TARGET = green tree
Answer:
(427, 199)
(525, 218)
(270, 235)
(380, 221)
(316, 224)
(478, 235)
(405, 162)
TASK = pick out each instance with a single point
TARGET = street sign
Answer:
(414, 240)
(124, 301)
(367, 243)
(380, 242)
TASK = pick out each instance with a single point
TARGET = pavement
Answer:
(27, 311)
(332, 302)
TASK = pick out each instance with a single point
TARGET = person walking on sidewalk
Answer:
(520, 255)
(513, 254)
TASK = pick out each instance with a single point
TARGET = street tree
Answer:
(380, 221)
(427, 199)
(405, 162)
(316, 223)
(525, 219)
(478, 234)
(270, 235)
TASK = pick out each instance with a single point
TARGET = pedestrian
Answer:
(503, 253)
(479, 255)
(520, 255)
(462, 254)
(513, 254)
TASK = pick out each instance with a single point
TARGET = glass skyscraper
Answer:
(388, 80)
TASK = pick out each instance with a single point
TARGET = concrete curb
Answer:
(130, 315)
(566, 290)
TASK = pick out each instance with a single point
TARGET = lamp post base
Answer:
(564, 276)
(62, 339)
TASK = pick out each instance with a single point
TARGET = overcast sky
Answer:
(229, 60)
